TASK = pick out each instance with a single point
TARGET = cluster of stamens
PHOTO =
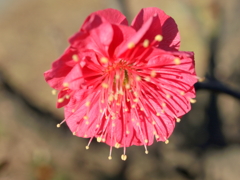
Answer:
(121, 90)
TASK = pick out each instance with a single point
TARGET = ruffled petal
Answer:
(97, 39)
(169, 29)
(60, 68)
(112, 16)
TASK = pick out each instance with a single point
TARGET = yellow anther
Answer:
(60, 100)
(201, 79)
(113, 124)
(65, 84)
(156, 136)
(158, 114)
(117, 145)
(75, 58)
(135, 93)
(138, 124)
(178, 120)
(87, 103)
(135, 100)
(127, 86)
(120, 92)
(87, 122)
(105, 85)
(54, 92)
(97, 126)
(182, 93)
(146, 152)
(133, 119)
(193, 101)
(177, 61)
(99, 139)
(124, 157)
(167, 141)
(126, 109)
(67, 96)
(74, 133)
(117, 76)
(146, 141)
(146, 43)
(58, 125)
(127, 132)
(131, 45)
(168, 95)
(110, 157)
(138, 78)
(141, 109)
(133, 106)
(102, 101)
(153, 73)
(162, 111)
(101, 110)
(87, 147)
(85, 135)
(164, 104)
(85, 117)
(147, 78)
(158, 38)
(104, 60)
(73, 110)
(153, 122)
(103, 140)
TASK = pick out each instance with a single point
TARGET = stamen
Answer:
(65, 84)
(54, 92)
(168, 95)
(146, 43)
(167, 141)
(124, 157)
(193, 100)
(60, 100)
(75, 58)
(147, 78)
(177, 61)
(153, 73)
(201, 79)
(117, 145)
(87, 103)
(158, 38)
(138, 78)
(127, 86)
(104, 60)
(182, 93)
(99, 139)
(105, 85)
(131, 45)
(59, 125)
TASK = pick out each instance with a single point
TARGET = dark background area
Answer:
(205, 144)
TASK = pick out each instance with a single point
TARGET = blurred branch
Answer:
(217, 87)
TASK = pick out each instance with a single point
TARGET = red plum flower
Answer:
(124, 84)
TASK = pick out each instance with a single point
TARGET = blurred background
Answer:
(204, 146)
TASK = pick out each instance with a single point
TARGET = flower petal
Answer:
(60, 68)
(170, 33)
(112, 16)
(97, 39)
